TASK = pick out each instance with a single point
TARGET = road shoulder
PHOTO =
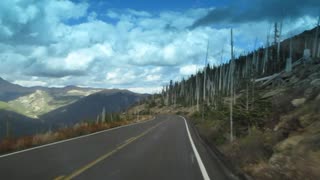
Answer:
(217, 165)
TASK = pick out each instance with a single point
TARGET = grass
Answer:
(4, 105)
(8, 145)
(251, 149)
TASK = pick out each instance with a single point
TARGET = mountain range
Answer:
(29, 110)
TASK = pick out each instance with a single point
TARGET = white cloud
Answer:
(153, 77)
(188, 69)
(139, 13)
(121, 76)
(30, 83)
(146, 89)
(139, 49)
(23, 20)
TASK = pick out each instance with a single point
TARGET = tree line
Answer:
(214, 86)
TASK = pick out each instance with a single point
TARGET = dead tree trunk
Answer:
(315, 41)
(231, 89)
(289, 60)
(204, 81)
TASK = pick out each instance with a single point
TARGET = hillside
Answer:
(9, 91)
(32, 109)
(87, 108)
(36, 101)
(261, 112)
(41, 102)
(15, 125)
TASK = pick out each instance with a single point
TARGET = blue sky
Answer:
(154, 5)
(136, 45)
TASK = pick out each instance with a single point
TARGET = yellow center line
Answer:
(129, 140)
(59, 178)
(105, 156)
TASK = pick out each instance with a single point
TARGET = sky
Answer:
(138, 45)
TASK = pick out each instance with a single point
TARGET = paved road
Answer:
(163, 148)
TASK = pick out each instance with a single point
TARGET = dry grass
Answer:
(13, 144)
(298, 167)
(251, 149)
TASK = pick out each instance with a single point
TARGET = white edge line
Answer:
(200, 163)
(71, 139)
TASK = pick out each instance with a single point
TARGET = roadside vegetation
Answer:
(277, 138)
(260, 110)
(110, 120)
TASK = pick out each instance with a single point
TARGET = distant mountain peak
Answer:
(71, 86)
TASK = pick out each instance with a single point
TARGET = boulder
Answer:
(298, 102)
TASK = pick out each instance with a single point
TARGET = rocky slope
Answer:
(36, 101)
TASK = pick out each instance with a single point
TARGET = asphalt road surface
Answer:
(165, 148)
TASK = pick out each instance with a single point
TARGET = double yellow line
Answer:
(105, 156)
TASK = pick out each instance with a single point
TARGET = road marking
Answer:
(105, 156)
(200, 163)
(75, 138)
(129, 140)
(59, 178)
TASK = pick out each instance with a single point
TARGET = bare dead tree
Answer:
(289, 59)
(231, 88)
(315, 41)
(204, 81)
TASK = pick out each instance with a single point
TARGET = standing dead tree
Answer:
(231, 87)
(204, 80)
(315, 41)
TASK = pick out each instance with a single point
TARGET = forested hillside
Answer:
(261, 109)
(226, 80)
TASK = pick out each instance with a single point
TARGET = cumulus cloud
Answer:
(188, 69)
(130, 49)
(33, 23)
(30, 83)
(156, 89)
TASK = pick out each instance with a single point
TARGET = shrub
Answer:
(250, 149)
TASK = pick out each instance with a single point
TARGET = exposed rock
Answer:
(278, 161)
(298, 102)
